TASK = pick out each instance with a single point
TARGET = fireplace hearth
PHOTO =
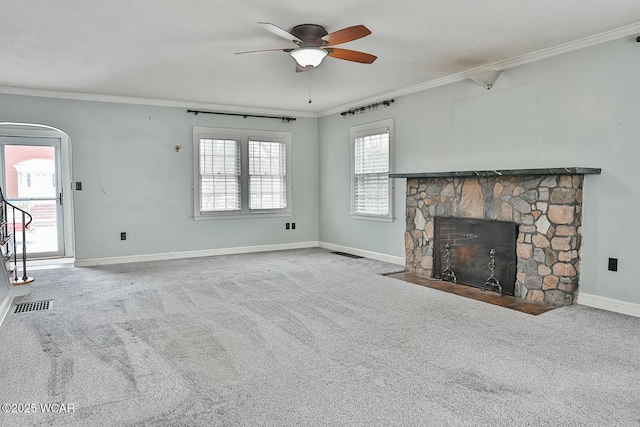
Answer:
(472, 245)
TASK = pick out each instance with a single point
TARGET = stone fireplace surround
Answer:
(545, 203)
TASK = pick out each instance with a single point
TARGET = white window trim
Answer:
(360, 131)
(243, 136)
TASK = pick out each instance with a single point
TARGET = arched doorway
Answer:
(35, 175)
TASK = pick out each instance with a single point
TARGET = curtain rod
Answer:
(284, 119)
(367, 108)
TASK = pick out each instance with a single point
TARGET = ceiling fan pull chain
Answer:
(309, 74)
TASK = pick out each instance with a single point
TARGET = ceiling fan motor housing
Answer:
(310, 34)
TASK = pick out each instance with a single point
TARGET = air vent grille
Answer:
(33, 306)
(347, 255)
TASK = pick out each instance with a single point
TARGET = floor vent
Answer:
(347, 255)
(33, 306)
(392, 272)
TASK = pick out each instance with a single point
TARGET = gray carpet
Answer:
(305, 337)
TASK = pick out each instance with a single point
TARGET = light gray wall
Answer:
(134, 181)
(576, 109)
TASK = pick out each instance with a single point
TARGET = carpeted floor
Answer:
(305, 337)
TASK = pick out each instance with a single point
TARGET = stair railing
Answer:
(6, 235)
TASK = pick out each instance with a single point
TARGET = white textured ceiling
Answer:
(184, 50)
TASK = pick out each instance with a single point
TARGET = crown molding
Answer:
(8, 90)
(500, 65)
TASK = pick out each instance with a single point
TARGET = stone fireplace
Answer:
(544, 204)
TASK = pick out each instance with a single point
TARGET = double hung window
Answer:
(371, 163)
(267, 175)
(219, 175)
(241, 172)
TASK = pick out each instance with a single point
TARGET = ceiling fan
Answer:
(315, 43)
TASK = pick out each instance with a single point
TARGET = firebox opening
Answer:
(476, 252)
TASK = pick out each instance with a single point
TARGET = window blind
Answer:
(219, 175)
(371, 186)
(267, 175)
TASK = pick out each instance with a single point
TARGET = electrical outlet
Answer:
(78, 186)
(286, 226)
(613, 264)
(293, 225)
(123, 236)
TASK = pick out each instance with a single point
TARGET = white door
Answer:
(31, 181)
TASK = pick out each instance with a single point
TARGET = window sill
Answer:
(237, 215)
(372, 218)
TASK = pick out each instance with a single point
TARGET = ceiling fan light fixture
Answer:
(308, 56)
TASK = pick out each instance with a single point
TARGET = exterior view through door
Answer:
(30, 181)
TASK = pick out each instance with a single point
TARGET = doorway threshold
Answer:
(47, 263)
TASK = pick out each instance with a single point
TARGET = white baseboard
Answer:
(14, 291)
(5, 306)
(361, 252)
(610, 304)
(239, 250)
(193, 254)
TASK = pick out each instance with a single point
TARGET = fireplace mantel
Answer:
(504, 172)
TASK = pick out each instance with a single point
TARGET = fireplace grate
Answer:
(26, 307)
(347, 255)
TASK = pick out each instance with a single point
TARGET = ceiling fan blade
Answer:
(279, 32)
(264, 50)
(300, 69)
(346, 35)
(351, 55)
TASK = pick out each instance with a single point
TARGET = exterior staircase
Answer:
(44, 215)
